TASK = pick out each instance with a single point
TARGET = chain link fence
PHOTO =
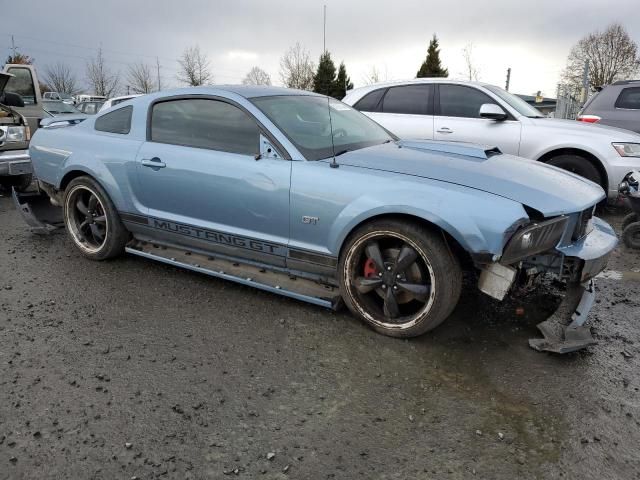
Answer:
(569, 102)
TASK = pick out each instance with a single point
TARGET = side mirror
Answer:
(12, 100)
(492, 111)
(266, 149)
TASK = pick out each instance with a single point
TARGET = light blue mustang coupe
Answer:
(301, 195)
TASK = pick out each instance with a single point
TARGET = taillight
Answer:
(588, 118)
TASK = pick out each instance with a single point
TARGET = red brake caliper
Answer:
(370, 269)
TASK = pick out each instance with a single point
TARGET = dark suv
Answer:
(617, 105)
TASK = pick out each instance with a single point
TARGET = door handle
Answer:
(445, 130)
(154, 162)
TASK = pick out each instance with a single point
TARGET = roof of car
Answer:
(626, 82)
(392, 83)
(247, 91)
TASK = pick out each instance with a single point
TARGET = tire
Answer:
(20, 182)
(578, 165)
(629, 219)
(399, 278)
(92, 221)
(631, 235)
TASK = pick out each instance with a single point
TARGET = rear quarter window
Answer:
(370, 102)
(629, 99)
(118, 121)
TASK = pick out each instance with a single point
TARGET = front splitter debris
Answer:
(565, 331)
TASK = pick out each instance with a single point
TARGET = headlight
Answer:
(627, 149)
(533, 239)
(16, 134)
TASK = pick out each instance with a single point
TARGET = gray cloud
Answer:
(532, 38)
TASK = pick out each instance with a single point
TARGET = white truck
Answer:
(20, 114)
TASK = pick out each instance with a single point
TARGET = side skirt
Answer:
(282, 283)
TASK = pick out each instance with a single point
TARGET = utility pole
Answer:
(324, 31)
(158, 65)
(506, 87)
(585, 82)
(13, 46)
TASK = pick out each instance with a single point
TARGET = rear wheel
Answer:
(399, 278)
(578, 165)
(92, 220)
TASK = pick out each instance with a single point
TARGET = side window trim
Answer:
(261, 128)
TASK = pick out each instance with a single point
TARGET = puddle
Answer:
(628, 276)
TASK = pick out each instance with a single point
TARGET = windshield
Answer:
(305, 120)
(56, 107)
(522, 107)
(65, 96)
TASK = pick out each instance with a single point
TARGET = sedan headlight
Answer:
(16, 134)
(627, 149)
(533, 239)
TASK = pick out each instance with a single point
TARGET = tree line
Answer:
(606, 56)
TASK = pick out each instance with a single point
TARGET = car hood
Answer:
(545, 188)
(612, 134)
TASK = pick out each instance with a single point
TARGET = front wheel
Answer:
(578, 165)
(92, 220)
(399, 278)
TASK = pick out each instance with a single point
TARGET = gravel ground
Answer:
(132, 369)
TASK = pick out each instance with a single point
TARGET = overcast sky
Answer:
(533, 38)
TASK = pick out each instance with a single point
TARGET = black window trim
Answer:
(438, 112)
(615, 105)
(98, 117)
(261, 128)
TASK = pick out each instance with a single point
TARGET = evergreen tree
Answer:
(432, 67)
(342, 83)
(325, 77)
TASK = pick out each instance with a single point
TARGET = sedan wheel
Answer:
(399, 278)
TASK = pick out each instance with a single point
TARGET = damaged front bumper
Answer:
(566, 330)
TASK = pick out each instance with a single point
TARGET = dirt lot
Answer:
(132, 369)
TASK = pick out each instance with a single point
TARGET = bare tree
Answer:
(60, 78)
(195, 68)
(296, 68)
(140, 79)
(374, 76)
(257, 76)
(100, 79)
(472, 72)
(612, 55)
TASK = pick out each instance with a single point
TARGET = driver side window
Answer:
(204, 123)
